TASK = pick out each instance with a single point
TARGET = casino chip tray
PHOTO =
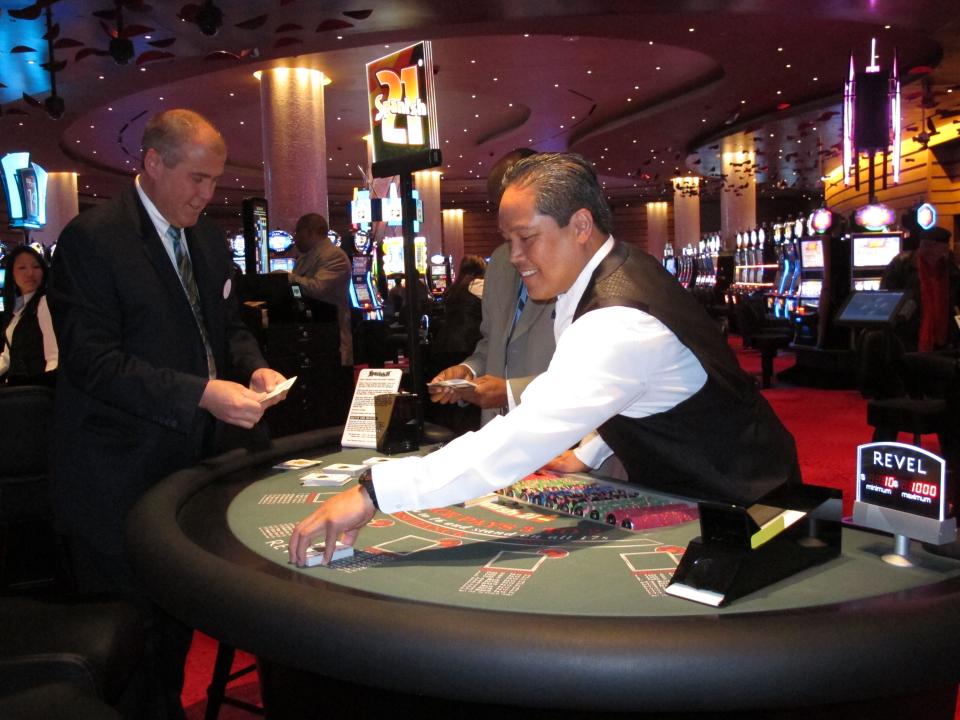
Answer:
(604, 502)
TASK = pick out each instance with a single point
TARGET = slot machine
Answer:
(364, 298)
(871, 252)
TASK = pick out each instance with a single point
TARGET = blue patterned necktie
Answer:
(521, 303)
(185, 268)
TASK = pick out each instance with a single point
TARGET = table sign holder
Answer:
(742, 549)
(397, 427)
(902, 490)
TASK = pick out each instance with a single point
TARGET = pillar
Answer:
(738, 200)
(294, 144)
(686, 213)
(63, 205)
(657, 228)
(427, 183)
(453, 236)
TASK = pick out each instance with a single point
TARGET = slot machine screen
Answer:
(875, 250)
(811, 254)
(811, 288)
(3, 273)
(671, 265)
(281, 264)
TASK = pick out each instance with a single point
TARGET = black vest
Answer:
(27, 360)
(723, 443)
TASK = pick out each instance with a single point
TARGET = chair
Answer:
(30, 556)
(930, 379)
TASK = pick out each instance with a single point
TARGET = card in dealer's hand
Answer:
(296, 464)
(345, 468)
(322, 479)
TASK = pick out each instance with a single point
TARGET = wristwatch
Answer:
(366, 482)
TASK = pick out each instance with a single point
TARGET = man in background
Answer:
(323, 272)
(516, 333)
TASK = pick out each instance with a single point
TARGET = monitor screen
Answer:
(877, 307)
(875, 250)
(670, 264)
(281, 264)
(3, 275)
(811, 254)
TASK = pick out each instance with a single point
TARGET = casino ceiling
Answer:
(645, 89)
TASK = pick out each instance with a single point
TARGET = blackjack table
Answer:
(507, 609)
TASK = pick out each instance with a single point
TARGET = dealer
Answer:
(637, 357)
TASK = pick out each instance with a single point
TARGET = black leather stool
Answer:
(57, 701)
(95, 647)
(917, 417)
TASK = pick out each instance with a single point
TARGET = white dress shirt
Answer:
(161, 224)
(50, 352)
(611, 361)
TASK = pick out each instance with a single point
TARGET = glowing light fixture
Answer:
(875, 217)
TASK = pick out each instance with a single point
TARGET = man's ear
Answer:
(152, 162)
(582, 224)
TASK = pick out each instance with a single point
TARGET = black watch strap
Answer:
(366, 482)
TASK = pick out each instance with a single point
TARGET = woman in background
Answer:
(29, 354)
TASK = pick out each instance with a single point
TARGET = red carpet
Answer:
(828, 426)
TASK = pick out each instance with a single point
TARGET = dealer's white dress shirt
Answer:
(611, 361)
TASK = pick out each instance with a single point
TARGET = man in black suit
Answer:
(154, 355)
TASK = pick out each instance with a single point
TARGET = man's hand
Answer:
(566, 462)
(490, 392)
(232, 403)
(448, 395)
(339, 518)
(264, 380)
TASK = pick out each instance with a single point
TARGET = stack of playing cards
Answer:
(296, 464)
(315, 553)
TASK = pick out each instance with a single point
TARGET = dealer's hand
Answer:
(566, 462)
(339, 518)
(448, 395)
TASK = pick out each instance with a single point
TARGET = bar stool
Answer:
(769, 344)
(217, 689)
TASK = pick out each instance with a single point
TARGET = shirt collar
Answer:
(567, 302)
(159, 221)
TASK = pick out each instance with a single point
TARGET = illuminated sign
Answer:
(25, 188)
(279, 240)
(874, 217)
(403, 111)
(361, 209)
(926, 216)
(902, 477)
(820, 221)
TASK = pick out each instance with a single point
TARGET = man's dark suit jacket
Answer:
(133, 365)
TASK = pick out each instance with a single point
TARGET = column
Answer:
(62, 206)
(294, 144)
(427, 183)
(738, 200)
(657, 228)
(686, 213)
(453, 236)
